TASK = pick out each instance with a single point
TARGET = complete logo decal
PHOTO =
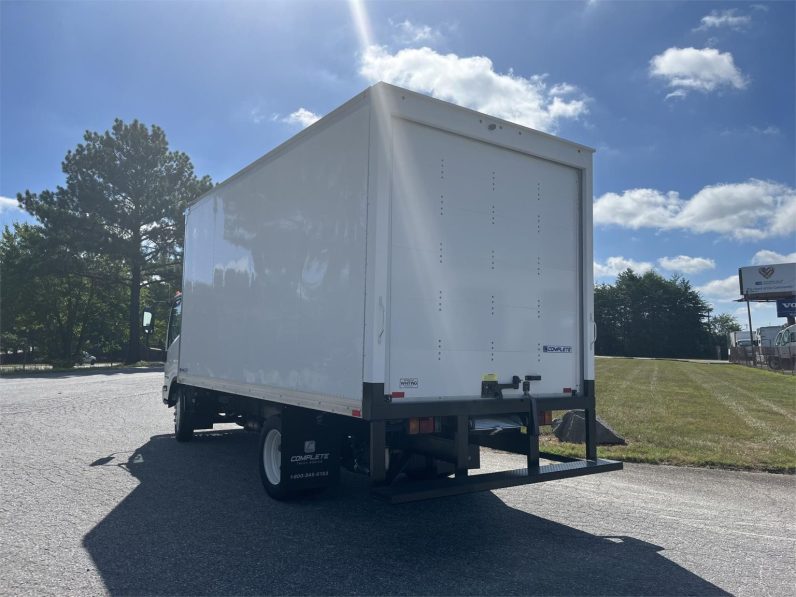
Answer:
(560, 349)
(309, 457)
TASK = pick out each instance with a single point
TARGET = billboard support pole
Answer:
(751, 333)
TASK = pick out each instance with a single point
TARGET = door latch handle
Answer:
(383, 316)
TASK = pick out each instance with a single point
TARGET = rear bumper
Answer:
(423, 490)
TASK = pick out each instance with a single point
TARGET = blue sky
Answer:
(690, 105)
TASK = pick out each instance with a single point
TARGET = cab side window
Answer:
(175, 321)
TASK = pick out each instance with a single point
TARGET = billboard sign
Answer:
(786, 307)
(768, 281)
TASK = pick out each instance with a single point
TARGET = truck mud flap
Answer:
(310, 449)
(423, 490)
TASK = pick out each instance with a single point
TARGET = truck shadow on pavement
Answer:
(200, 523)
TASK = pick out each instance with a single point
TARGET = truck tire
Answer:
(183, 416)
(270, 458)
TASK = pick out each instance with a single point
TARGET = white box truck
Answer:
(765, 336)
(740, 338)
(397, 285)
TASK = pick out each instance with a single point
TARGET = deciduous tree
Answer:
(648, 315)
(56, 300)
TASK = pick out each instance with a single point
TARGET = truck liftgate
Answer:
(379, 409)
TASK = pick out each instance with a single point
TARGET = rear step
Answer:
(422, 490)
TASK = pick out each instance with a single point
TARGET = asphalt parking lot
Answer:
(97, 497)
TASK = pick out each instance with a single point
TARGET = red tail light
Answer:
(427, 425)
(424, 425)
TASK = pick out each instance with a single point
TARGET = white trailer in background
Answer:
(740, 338)
(385, 291)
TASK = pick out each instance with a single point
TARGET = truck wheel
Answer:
(183, 416)
(270, 458)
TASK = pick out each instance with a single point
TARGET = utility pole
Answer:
(751, 334)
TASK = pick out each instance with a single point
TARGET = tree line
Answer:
(646, 315)
(105, 243)
(109, 242)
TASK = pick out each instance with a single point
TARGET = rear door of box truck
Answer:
(485, 272)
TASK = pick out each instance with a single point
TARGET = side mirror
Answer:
(146, 322)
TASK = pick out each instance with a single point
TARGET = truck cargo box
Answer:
(401, 241)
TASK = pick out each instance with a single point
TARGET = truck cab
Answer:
(171, 366)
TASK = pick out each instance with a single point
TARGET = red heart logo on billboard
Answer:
(766, 271)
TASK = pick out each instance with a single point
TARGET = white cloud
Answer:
(301, 116)
(724, 18)
(613, 266)
(686, 264)
(747, 210)
(769, 131)
(725, 290)
(765, 257)
(638, 208)
(408, 33)
(754, 209)
(560, 89)
(8, 204)
(785, 222)
(472, 82)
(676, 94)
(690, 69)
(256, 115)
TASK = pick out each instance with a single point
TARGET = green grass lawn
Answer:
(672, 412)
